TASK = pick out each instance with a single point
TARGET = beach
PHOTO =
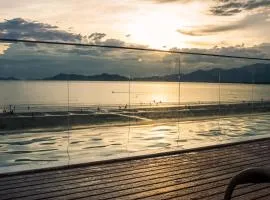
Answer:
(139, 115)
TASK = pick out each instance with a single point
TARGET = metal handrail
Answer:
(130, 48)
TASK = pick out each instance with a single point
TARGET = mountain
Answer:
(8, 79)
(259, 73)
(100, 77)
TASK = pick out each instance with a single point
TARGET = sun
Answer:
(157, 30)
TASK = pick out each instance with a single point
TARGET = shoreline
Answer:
(138, 80)
(79, 119)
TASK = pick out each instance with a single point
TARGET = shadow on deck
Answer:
(201, 174)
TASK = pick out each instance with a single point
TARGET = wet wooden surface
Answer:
(202, 174)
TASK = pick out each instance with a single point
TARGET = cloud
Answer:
(96, 36)
(172, 1)
(232, 7)
(113, 42)
(248, 22)
(19, 28)
(25, 62)
(197, 62)
(210, 29)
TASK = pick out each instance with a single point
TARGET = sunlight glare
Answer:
(156, 30)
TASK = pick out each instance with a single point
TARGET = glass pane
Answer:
(68, 104)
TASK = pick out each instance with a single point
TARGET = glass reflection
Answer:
(94, 115)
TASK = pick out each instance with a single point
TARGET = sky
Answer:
(233, 27)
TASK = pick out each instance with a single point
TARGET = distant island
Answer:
(256, 73)
(100, 77)
(8, 79)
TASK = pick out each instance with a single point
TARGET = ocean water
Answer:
(55, 95)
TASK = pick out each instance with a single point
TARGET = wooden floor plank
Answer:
(203, 174)
(131, 170)
(118, 166)
(254, 194)
(128, 168)
(150, 173)
(147, 175)
(166, 186)
(140, 182)
(123, 189)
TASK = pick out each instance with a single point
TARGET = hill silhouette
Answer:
(257, 73)
(99, 77)
(8, 79)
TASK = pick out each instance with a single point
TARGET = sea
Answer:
(79, 94)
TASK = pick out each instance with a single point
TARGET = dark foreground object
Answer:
(251, 175)
(199, 174)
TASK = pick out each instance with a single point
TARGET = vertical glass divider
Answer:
(179, 96)
(129, 110)
(68, 120)
(252, 92)
(129, 82)
(219, 101)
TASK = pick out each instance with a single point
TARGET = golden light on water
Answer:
(3, 48)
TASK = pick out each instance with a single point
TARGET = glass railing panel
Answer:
(34, 110)
(98, 105)
(200, 101)
(154, 97)
(78, 104)
(241, 108)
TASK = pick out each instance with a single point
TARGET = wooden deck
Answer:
(202, 174)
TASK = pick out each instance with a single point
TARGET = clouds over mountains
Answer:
(39, 61)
